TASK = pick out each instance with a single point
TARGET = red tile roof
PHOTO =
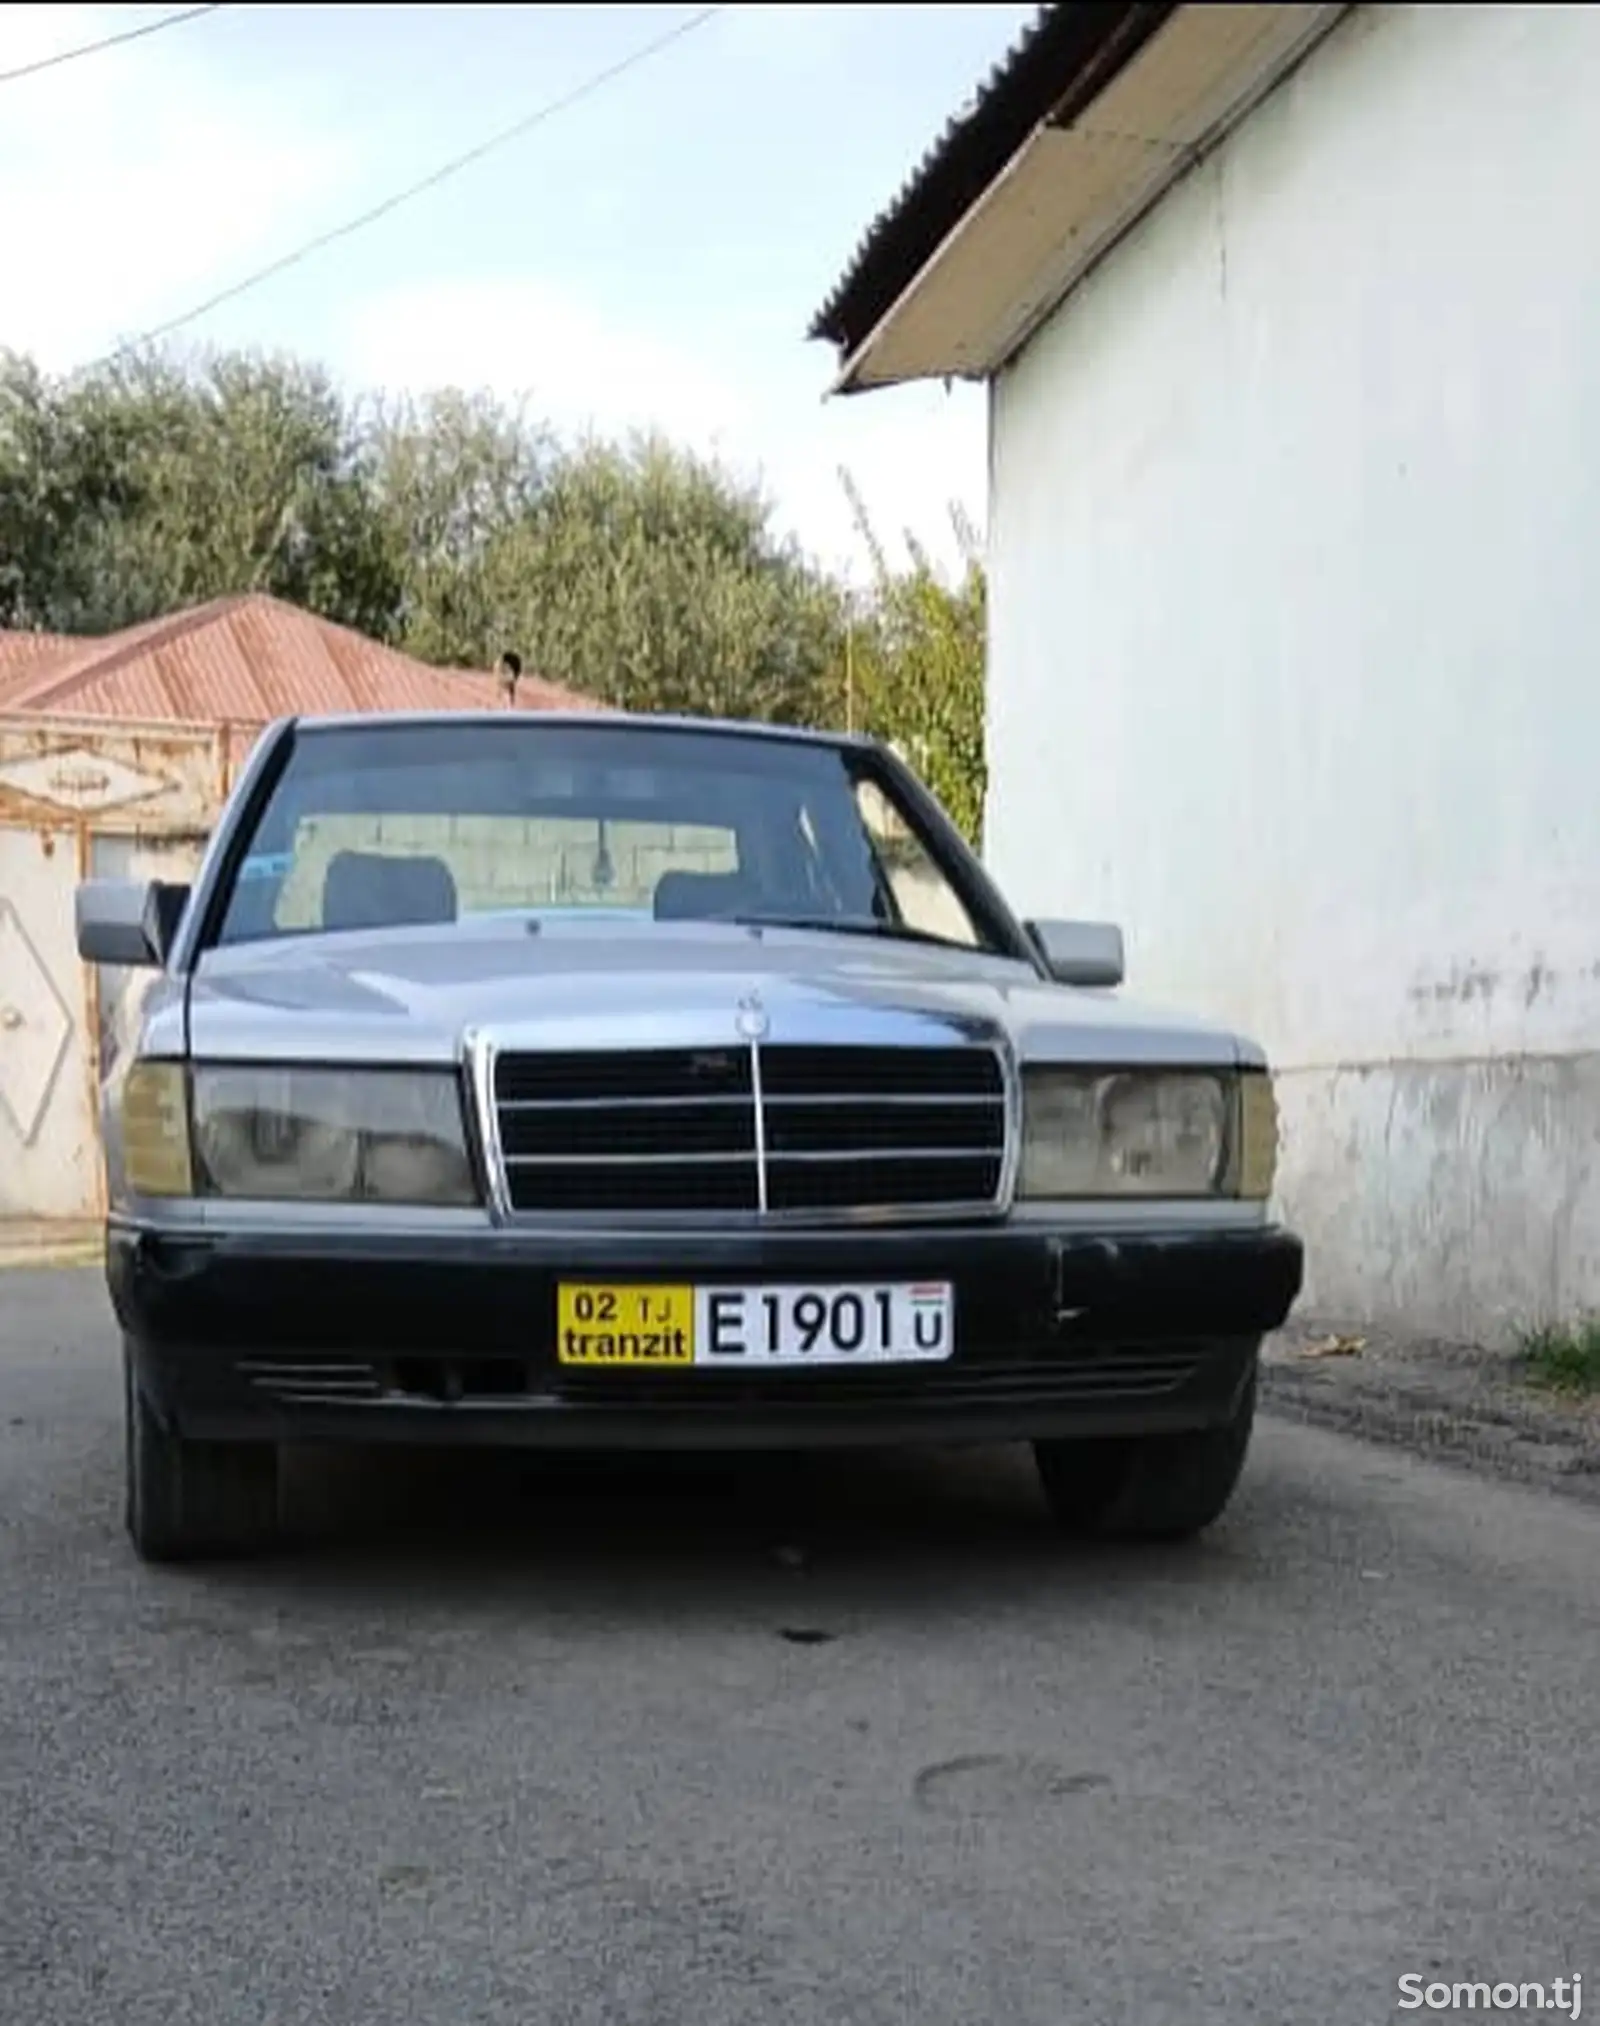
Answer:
(242, 661)
(23, 654)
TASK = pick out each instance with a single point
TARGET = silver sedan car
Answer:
(628, 1082)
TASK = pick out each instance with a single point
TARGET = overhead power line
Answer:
(431, 181)
(108, 42)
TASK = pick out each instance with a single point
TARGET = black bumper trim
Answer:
(1058, 1331)
(551, 1424)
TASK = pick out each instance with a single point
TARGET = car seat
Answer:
(703, 896)
(371, 890)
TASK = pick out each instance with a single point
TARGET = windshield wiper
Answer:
(845, 925)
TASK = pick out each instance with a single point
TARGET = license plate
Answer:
(722, 1327)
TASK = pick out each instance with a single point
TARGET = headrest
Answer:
(701, 896)
(369, 890)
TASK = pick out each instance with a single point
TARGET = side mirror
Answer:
(1080, 953)
(128, 921)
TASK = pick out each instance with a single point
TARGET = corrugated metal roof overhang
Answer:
(1072, 190)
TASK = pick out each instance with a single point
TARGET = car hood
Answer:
(414, 995)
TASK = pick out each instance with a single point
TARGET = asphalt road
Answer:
(852, 1743)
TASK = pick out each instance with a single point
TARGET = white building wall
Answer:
(1295, 553)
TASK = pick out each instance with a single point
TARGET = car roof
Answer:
(633, 720)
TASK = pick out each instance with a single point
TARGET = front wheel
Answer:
(1152, 1488)
(193, 1501)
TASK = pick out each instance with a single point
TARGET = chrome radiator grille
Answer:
(765, 1128)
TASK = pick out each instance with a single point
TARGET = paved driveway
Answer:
(854, 1742)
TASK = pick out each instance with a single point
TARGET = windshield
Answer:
(388, 825)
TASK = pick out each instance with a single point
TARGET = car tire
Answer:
(1154, 1488)
(194, 1501)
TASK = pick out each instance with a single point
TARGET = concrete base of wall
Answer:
(1451, 1199)
(51, 1241)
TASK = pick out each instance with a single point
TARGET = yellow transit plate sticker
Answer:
(604, 1324)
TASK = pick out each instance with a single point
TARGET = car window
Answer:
(923, 894)
(399, 823)
(501, 862)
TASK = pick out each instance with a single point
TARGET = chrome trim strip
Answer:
(758, 1100)
(845, 1098)
(839, 1098)
(1011, 1086)
(847, 1155)
(839, 1157)
(618, 1103)
(479, 1052)
(741, 1156)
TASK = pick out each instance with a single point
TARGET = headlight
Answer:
(331, 1136)
(1255, 1167)
(155, 1130)
(1129, 1133)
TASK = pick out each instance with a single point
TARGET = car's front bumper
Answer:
(451, 1338)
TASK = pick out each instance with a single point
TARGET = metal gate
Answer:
(80, 798)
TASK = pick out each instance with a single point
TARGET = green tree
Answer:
(916, 665)
(62, 476)
(157, 482)
(449, 479)
(242, 474)
(648, 577)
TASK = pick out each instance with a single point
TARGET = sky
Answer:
(651, 256)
